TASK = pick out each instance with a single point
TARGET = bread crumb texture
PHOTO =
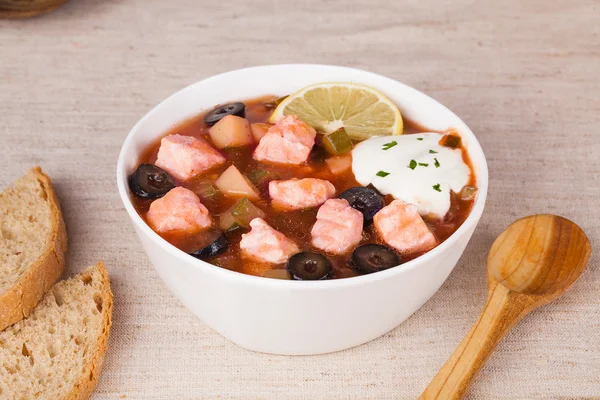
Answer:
(25, 223)
(57, 352)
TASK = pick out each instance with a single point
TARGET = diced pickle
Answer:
(240, 215)
(244, 212)
(468, 192)
(227, 222)
(258, 176)
(450, 140)
(206, 190)
(277, 274)
(337, 142)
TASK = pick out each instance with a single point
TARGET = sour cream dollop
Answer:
(387, 163)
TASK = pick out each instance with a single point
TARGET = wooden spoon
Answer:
(534, 261)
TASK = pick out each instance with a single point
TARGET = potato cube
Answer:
(231, 131)
(338, 165)
(232, 183)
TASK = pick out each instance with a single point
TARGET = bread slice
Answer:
(57, 352)
(33, 241)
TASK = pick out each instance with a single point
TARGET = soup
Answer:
(221, 187)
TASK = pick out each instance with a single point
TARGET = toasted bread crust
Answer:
(89, 377)
(17, 302)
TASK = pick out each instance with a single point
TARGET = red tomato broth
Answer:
(296, 225)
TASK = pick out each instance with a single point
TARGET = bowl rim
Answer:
(470, 222)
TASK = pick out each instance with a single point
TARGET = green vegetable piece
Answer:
(227, 222)
(337, 142)
(413, 164)
(244, 211)
(437, 163)
(258, 176)
(206, 190)
(451, 141)
(389, 145)
(437, 187)
(382, 174)
(468, 192)
(239, 215)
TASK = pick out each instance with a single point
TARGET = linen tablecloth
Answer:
(525, 76)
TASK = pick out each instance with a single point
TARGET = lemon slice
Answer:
(361, 110)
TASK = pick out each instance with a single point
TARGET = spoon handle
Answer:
(502, 311)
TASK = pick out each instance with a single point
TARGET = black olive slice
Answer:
(365, 200)
(309, 266)
(216, 247)
(370, 258)
(238, 109)
(150, 182)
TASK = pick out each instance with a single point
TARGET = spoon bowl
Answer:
(539, 255)
(534, 261)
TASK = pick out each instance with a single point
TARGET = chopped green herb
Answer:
(437, 187)
(436, 163)
(383, 174)
(422, 164)
(419, 138)
(432, 152)
(413, 164)
(389, 145)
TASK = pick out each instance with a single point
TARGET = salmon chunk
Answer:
(178, 210)
(264, 243)
(338, 228)
(289, 141)
(295, 194)
(400, 226)
(185, 157)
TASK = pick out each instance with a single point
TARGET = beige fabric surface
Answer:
(525, 75)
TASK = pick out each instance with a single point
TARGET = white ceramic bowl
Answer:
(290, 317)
